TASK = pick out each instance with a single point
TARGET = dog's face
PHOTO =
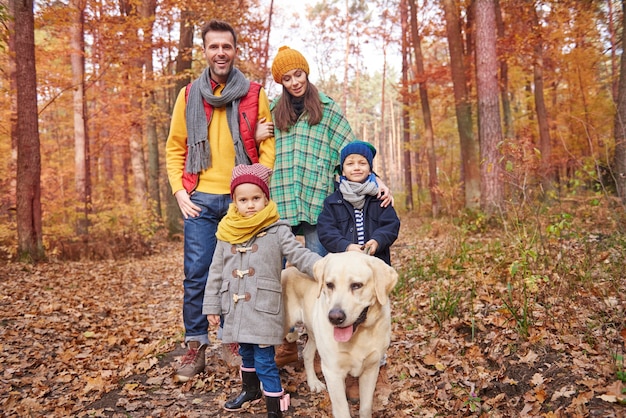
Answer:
(355, 287)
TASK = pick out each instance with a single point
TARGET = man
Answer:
(200, 161)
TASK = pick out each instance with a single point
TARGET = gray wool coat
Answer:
(244, 284)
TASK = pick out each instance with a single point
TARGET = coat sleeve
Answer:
(328, 229)
(212, 301)
(296, 253)
(388, 228)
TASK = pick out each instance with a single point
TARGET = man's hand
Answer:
(185, 204)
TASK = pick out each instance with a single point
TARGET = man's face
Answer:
(220, 53)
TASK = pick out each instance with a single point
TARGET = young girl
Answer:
(244, 284)
(352, 218)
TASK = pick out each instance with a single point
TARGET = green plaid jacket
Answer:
(306, 158)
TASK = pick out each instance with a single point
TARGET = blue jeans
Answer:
(311, 240)
(200, 242)
(261, 359)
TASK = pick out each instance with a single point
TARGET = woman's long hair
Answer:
(285, 115)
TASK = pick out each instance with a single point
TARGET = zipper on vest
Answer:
(245, 118)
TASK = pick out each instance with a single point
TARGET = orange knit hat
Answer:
(288, 59)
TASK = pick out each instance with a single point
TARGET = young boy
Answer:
(244, 284)
(352, 218)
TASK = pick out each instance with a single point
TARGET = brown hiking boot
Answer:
(230, 354)
(192, 363)
(286, 353)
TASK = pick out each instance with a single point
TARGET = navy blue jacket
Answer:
(336, 225)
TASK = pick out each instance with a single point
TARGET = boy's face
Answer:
(356, 168)
(249, 199)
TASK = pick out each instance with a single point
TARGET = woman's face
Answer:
(296, 82)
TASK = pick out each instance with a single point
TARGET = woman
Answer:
(310, 130)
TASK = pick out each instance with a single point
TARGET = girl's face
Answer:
(296, 82)
(249, 199)
(356, 168)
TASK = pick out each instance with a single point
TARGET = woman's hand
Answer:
(384, 193)
(264, 130)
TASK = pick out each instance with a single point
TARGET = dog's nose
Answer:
(336, 316)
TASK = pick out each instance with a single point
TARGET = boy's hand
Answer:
(370, 247)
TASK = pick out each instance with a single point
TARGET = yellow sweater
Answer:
(216, 179)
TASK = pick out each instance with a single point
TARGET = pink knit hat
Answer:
(256, 174)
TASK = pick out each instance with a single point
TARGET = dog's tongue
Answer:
(343, 334)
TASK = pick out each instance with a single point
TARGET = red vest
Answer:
(248, 114)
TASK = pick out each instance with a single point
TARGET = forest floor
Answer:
(501, 321)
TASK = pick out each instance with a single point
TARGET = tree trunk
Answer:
(433, 183)
(504, 80)
(183, 65)
(470, 172)
(545, 146)
(406, 105)
(28, 191)
(147, 11)
(81, 138)
(489, 127)
(619, 163)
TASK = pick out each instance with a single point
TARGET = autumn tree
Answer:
(489, 127)
(619, 161)
(147, 11)
(545, 146)
(406, 103)
(470, 172)
(81, 137)
(29, 226)
(429, 134)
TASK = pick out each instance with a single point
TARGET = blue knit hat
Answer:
(363, 148)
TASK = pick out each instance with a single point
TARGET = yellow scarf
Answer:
(237, 229)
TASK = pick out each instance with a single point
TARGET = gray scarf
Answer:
(355, 192)
(237, 86)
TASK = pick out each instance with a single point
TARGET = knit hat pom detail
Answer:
(288, 59)
(255, 173)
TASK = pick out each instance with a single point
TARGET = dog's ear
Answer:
(318, 273)
(385, 279)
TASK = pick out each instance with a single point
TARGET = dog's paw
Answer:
(316, 386)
